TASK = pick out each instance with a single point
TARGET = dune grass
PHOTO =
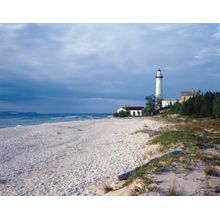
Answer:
(211, 171)
(188, 134)
(191, 135)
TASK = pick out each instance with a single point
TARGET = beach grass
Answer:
(193, 137)
(211, 171)
(190, 135)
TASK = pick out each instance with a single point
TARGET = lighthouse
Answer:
(158, 93)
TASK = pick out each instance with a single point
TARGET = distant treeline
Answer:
(201, 105)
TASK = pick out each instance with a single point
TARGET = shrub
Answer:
(121, 114)
(107, 189)
(211, 171)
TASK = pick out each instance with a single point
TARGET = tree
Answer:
(158, 103)
(187, 107)
(207, 105)
(175, 108)
(150, 108)
(201, 105)
(216, 105)
(197, 104)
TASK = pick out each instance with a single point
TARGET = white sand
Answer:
(70, 158)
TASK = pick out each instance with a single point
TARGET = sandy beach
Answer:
(71, 158)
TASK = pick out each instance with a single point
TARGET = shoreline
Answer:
(22, 119)
(51, 123)
(72, 157)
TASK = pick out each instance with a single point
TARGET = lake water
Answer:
(19, 119)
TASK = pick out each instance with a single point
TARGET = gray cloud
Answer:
(98, 67)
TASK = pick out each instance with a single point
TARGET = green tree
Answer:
(216, 105)
(187, 107)
(175, 108)
(201, 105)
(207, 105)
(158, 103)
(197, 104)
(150, 108)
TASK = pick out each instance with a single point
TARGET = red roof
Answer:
(134, 108)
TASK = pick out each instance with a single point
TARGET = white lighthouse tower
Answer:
(158, 93)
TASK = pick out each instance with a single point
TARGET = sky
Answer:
(85, 68)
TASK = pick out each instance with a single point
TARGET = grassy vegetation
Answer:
(172, 190)
(147, 130)
(210, 159)
(140, 174)
(137, 190)
(163, 164)
(192, 136)
(143, 182)
(143, 130)
(107, 189)
(170, 139)
(211, 171)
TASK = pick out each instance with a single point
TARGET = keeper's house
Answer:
(133, 111)
(185, 95)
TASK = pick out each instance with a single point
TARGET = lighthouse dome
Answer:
(159, 74)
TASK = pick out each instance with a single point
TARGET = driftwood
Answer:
(126, 175)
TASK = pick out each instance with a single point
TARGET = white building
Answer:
(132, 111)
(168, 102)
(135, 111)
(158, 92)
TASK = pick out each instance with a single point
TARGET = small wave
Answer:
(55, 118)
(27, 119)
(72, 116)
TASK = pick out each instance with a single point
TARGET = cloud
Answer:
(13, 27)
(102, 63)
(217, 33)
(163, 27)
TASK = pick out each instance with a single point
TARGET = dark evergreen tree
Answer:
(150, 108)
(207, 104)
(201, 105)
(197, 104)
(216, 105)
(175, 108)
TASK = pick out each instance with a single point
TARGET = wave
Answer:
(13, 120)
(72, 116)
